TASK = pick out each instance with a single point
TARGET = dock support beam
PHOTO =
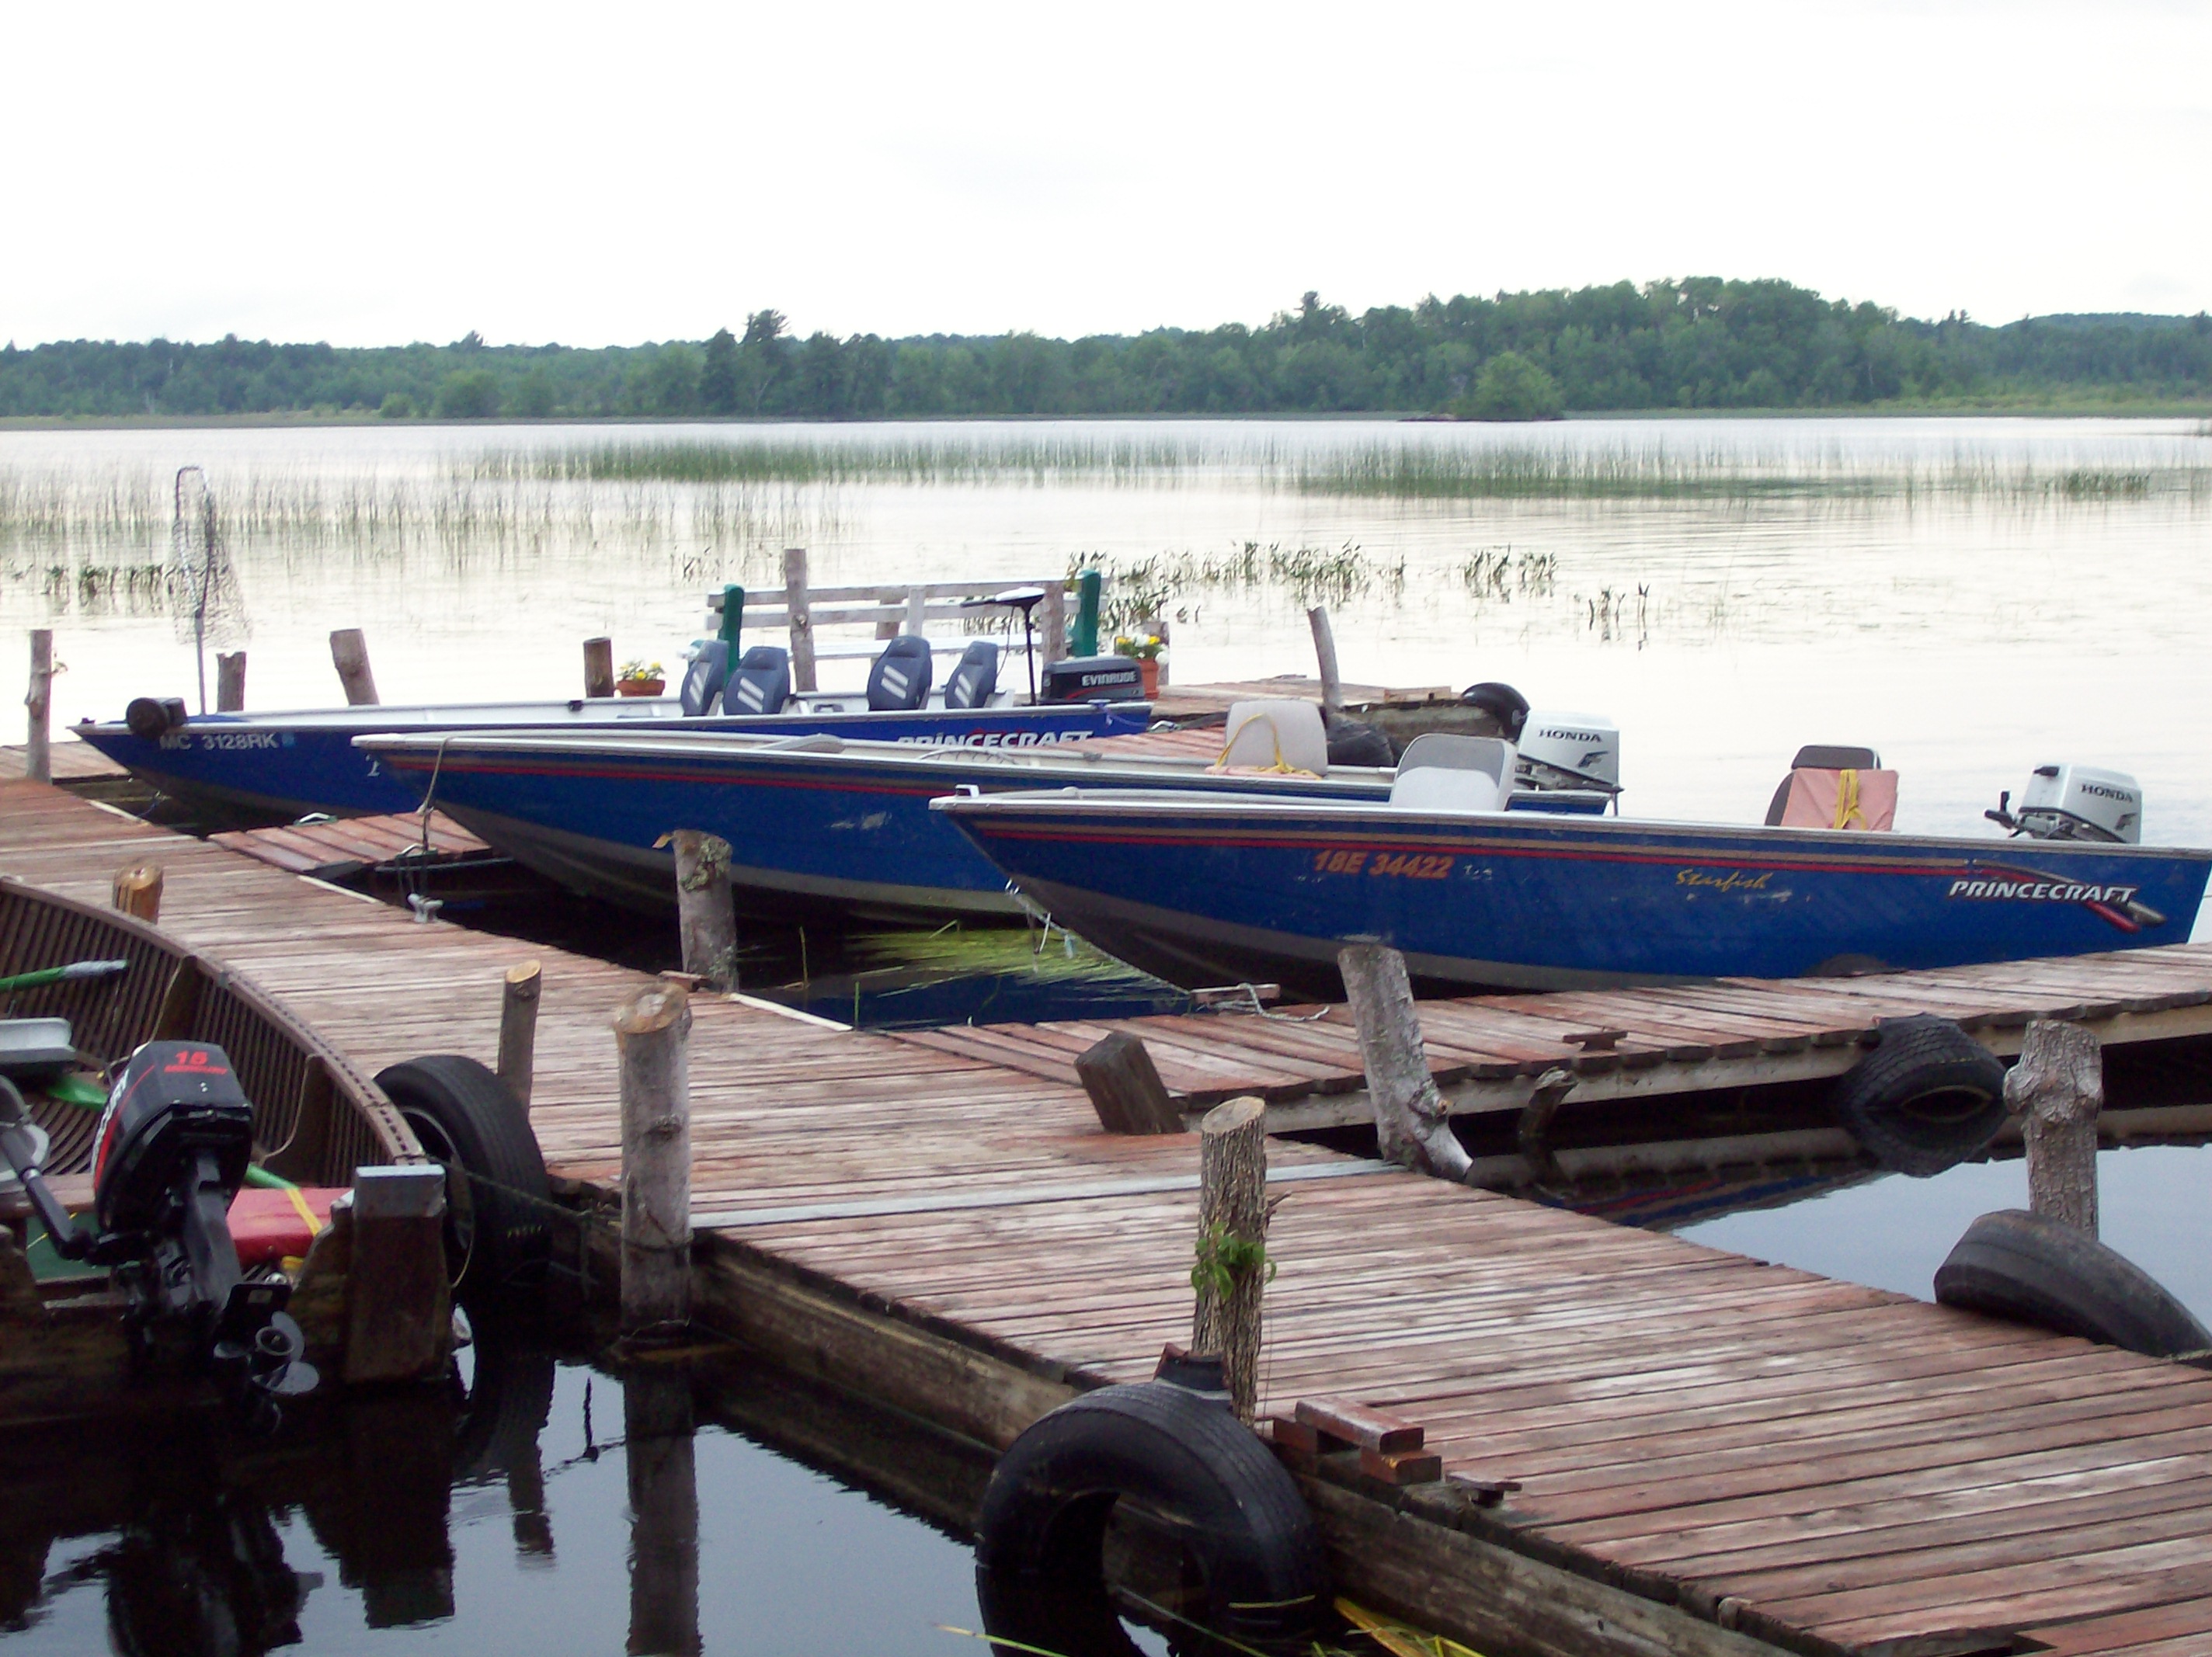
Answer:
(517, 1028)
(2058, 1086)
(400, 1316)
(706, 913)
(800, 618)
(599, 668)
(230, 683)
(1230, 1274)
(651, 1029)
(38, 740)
(1410, 1120)
(349, 655)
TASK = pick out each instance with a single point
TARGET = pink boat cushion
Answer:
(1841, 800)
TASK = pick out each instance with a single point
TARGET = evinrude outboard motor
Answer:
(171, 1152)
(2074, 802)
(1568, 752)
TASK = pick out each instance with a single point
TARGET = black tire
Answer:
(496, 1231)
(2028, 1268)
(1354, 742)
(1925, 1099)
(1182, 1459)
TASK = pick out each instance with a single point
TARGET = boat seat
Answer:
(1443, 772)
(705, 678)
(899, 682)
(762, 683)
(1844, 797)
(1279, 734)
(1821, 756)
(973, 676)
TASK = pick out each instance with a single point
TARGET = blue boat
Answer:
(1223, 889)
(275, 767)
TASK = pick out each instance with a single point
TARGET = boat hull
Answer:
(258, 769)
(1268, 891)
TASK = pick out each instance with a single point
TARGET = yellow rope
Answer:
(300, 1203)
(1281, 768)
(1847, 800)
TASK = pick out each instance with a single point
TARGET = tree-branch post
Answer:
(38, 736)
(517, 1028)
(652, 1029)
(349, 655)
(1331, 683)
(230, 682)
(2058, 1086)
(599, 668)
(1410, 1120)
(1232, 1270)
(706, 913)
(798, 610)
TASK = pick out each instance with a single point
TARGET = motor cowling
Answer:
(2080, 802)
(1568, 751)
(174, 1101)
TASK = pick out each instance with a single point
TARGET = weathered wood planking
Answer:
(302, 848)
(1714, 1456)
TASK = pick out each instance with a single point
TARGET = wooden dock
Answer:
(1709, 1456)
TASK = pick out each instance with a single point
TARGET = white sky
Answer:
(607, 174)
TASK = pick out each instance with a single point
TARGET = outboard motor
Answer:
(1568, 753)
(2074, 802)
(172, 1151)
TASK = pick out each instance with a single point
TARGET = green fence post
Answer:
(1085, 640)
(733, 617)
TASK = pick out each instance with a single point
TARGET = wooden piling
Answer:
(349, 655)
(599, 667)
(517, 1028)
(38, 740)
(1230, 1273)
(230, 682)
(706, 912)
(2058, 1087)
(1410, 1121)
(658, 1427)
(1052, 624)
(651, 1028)
(1125, 1087)
(1332, 682)
(399, 1313)
(800, 618)
(135, 889)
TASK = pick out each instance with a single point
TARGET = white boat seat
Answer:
(1443, 772)
(1275, 734)
(975, 677)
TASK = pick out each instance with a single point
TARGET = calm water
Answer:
(1970, 633)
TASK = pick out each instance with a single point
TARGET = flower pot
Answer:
(640, 686)
(1148, 673)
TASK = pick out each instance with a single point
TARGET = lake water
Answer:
(1931, 588)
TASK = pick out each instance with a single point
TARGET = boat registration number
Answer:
(1405, 865)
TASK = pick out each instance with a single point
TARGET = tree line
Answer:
(1701, 343)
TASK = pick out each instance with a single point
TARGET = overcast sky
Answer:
(610, 173)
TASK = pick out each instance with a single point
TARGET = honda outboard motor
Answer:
(170, 1153)
(2074, 802)
(1568, 752)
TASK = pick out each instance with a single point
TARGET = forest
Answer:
(1701, 343)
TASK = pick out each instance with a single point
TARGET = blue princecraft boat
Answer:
(818, 821)
(275, 767)
(1214, 888)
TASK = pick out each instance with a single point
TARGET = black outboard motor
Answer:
(171, 1152)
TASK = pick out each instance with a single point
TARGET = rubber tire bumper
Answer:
(1189, 1461)
(2029, 1268)
(497, 1233)
(1925, 1099)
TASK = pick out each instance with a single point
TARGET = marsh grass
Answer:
(1164, 585)
(949, 458)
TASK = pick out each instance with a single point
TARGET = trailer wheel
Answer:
(1190, 1467)
(1925, 1099)
(2028, 1268)
(496, 1234)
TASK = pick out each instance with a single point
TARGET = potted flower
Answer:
(1145, 648)
(640, 679)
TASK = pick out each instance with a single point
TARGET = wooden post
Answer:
(517, 1028)
(1052, 624)
(1410, 1121)
(1125, 1087)
(651, 1029)
(38, 739)
(1331, 684)
(399, 1313)
(599, 667)
(2058, 1085)
(917, 610)
(1232, 1236)
(137, 890)
(802, 618)
(349, 655)
(230, 682)
(706, 914)
(664, 1505)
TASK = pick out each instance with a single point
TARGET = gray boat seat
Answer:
(899, 682)
(1820, 757)
(704, 679)
(1442, 773)
(762, 683)
(973, 676)
(1275, 733)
